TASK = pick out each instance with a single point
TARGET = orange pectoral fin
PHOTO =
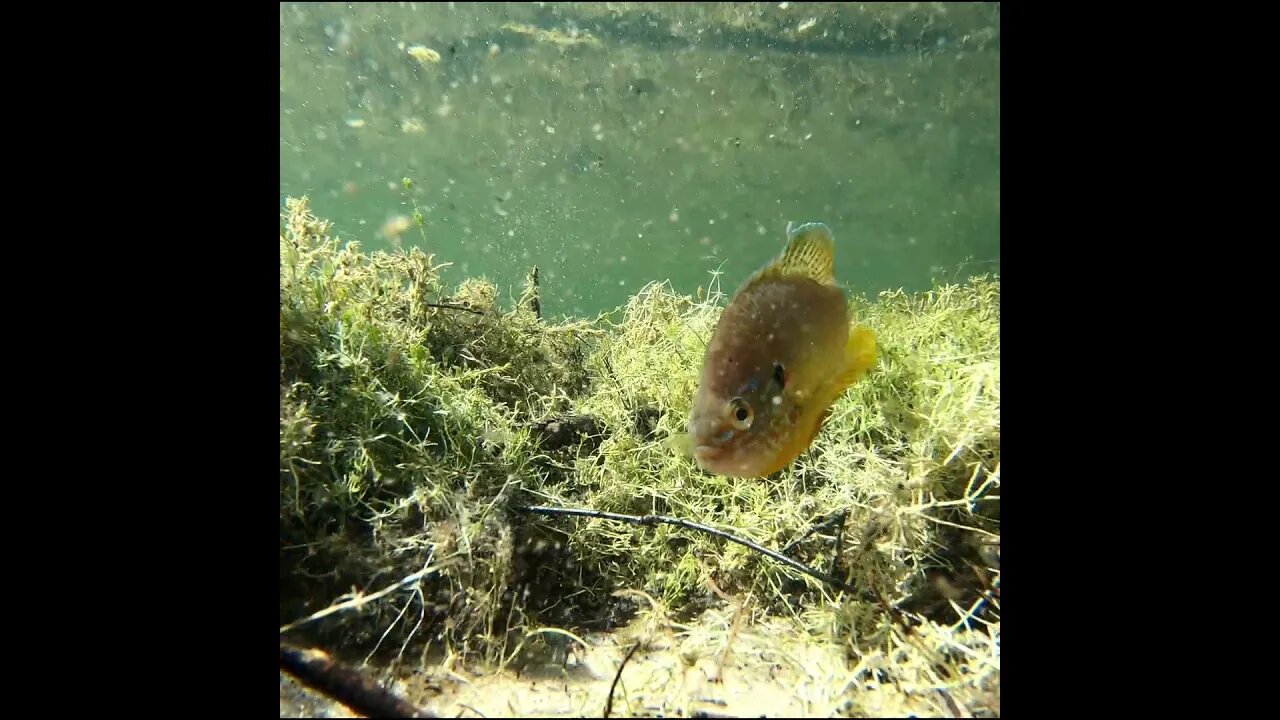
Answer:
(818, 425)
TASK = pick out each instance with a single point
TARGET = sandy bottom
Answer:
(768, 671)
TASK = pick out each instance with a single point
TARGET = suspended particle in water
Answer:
(395, 226)
(423, 54)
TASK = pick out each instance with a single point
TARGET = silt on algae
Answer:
(416, 419)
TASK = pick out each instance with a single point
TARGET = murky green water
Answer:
(617, 144)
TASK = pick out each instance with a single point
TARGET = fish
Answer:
(784, 350)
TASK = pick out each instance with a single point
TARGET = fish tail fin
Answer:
(861, 352)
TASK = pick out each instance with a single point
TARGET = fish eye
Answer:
(779, 375)
(741, 413)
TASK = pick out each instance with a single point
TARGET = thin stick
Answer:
(940, 521)
(535, 304)
(319, 671)
(835, 557)
(359, 600)
(733, 634)
(651, 520)
(451, 306)
(835, 518)
(608, 704)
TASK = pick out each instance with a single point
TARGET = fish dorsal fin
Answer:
(810, 253)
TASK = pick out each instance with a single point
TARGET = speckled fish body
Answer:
(783, 351)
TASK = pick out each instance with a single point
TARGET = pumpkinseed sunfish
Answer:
(783, 351)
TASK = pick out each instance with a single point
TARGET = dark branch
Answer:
(451, 306)
(319, 671)
(651, 520)
(535, 304)
(836, 518)
(608, 704)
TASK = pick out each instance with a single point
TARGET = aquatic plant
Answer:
(417, 420)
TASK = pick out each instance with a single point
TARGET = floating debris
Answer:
(356, 123)
(395, 226)
(555, 37)
(413, 126)
(424, 54)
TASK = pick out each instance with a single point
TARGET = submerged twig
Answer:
(535, 304)
(836, 518)
(835, 557)
(733, 634)
(608, 704)
(650, 520)
(317, 670)
(451, 306)
(358, 600)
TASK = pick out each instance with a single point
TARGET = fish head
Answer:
(739, 420)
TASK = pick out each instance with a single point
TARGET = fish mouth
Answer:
(714, 459)
(706, 454)
(719, 461)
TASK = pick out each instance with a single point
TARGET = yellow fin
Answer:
(810, 253)
(817, 426)
(680, 443)
(860, 353)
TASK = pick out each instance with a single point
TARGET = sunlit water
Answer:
(614, 150)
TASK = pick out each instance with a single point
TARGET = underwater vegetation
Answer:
(416, 420)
